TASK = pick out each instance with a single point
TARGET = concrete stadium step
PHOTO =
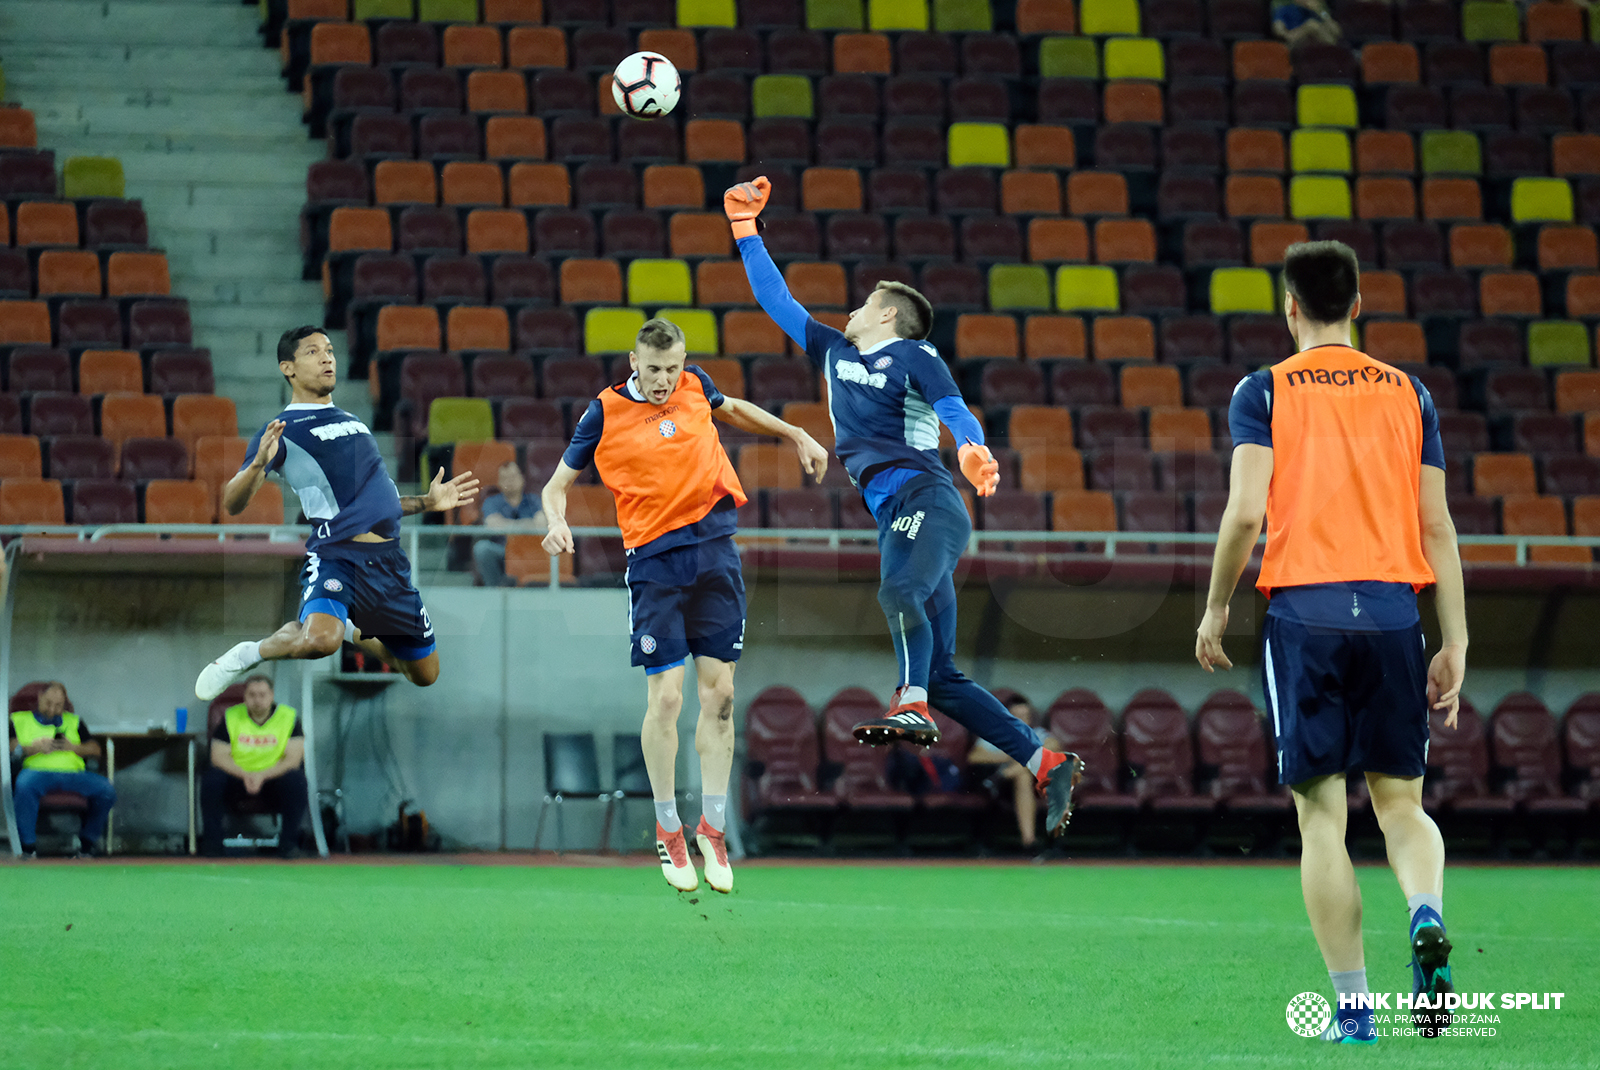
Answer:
(274, 292)
(117, 22)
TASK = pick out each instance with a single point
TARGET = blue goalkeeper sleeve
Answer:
(771, 291)
(959, 419)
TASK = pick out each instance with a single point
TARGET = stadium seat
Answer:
(1019, 286)
(781, 739)
(586, 281)
(1541, 200)
(59, 414)
(46, 223)
(1510, 293)
(74, 457)
(20, 457)
(1385, 152)
(541, 185)
(1117, 338)
(200, 415)
(1562, 248)
(1087, 289)
(1499, 474)
(1235, 290)
(1054, 338)
(1058, 240)
(1149, 386)
(1486, 20)
(31, 501)
(97, 501)
(125, 416)
(177, 501)
(1155, 733)
(610, 330)
(1134, 57)
(1038, 145)
(1247, 196)
(144, 459)
(979, 145)
(1320, 150)
(1327, 105)
(1269, 240)
(36, 369)
(1319, 197)
(1557, 342)
(83, 177)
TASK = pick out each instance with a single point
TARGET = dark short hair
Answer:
(913, 312)
(660, 334)
(290, 341)
(260, 677)
(1324, 278)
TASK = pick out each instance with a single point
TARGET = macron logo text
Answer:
(329, 432)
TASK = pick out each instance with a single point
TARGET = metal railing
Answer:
(412, 536)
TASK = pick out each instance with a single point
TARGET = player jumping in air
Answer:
(1341, 454)
(356, 585)
(888, 389)
(656, 448)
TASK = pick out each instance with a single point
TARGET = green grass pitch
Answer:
(226, 967)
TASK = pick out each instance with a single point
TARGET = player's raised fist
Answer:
(980, 468)
(744, 202)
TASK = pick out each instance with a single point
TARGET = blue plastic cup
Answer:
(183, 720)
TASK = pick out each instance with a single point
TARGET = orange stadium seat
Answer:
(862, 53)
(503, 92)
(1535, 514)
(1133, 102)
(514, 137)
(20, 457)
(266, 507)
(110, 371)
(726, 374)
(679, 46)
(1247, 196)
(404, 182)
(1497, 474)
(1085, 510)
(24, 323)
(64, 272)
(830, 189)
(1512, 293)
(591, 282)
(216, 460)
(134, 274)
(539, 185)
(478, 184)
(469, 329)
(769, 467)
(1124, 241)
(1395, 341)
(1383, 293)
(713, 141)
(984, 336)
(1380, 197)
(1095, 193)
(720, 283)
(1046, 17)
(592, 506)
(817, 285)
(17, 129)
(1578, 392)
(408, 327)
(1385, 151)
(1568, 249)
(472, 46)
(46, 223)
(1151, 386)
(125, 416)
(813, 418)
(692, 235)
(177, 501)
(1452, 199)
(1583, 297)
(1054, 338)
(1123, 338)
(1269, 239)
(1249, 149)
(359, 230)
(1586, 516)
(1030, 193)
(674, 186)
(1058, 240)
(1044, 146)
(31, 501)
(1178, 430)
(1480, 246)
(535, 47)
(1050, 467)
(752, 333)
(1261, 61)
(1038, 425)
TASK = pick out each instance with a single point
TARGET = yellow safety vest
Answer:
(258, 746)
(30, 731)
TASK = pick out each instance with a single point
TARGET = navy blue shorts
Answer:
(686, 601)
(1345, 702)
(373, 589)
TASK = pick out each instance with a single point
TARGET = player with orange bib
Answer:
(1341, 454)
(655, 445)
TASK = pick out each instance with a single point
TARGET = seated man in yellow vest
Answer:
(256, 749)
(53, 744)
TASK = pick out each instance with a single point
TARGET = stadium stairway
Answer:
(183, 94)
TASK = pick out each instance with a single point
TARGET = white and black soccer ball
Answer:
(646, 85)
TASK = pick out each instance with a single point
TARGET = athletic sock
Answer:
(667, 815)
(714, 808)
(909, 695)
(1426, 909)
(1036, 761)
(1349, 982)
(349, 631)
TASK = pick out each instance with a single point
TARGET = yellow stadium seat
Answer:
(699, 327)
(611, 330)
(1241, 290)
(1319, 197)
(1320, 150)
(962, 16)
(1068, 57)
(1327, 105)
(1096, 17)
(1135, 57)
(707, 13)
(659, 282)
(885, 15)
(781, 96)
(1020, 286)
(1091, 289)
(834, 15)
(979, 145)
(460, 420)
(1541, 200)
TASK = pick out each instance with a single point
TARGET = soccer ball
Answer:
(646, 85)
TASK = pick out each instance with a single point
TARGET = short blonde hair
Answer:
(659, 334)
(913, 312)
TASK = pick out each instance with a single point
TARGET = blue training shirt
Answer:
(1360, 606)
(331, 461)
(723, 518)
(885, 403)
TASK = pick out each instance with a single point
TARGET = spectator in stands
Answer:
(508, 509)
(256, 749)
(1300, 21)
(992, 765)
(52, 745)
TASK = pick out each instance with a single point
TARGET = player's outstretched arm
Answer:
(442, 494)
(743, 203)
(1449, 666)
(554, 498)
(747, 416)
(238, 491)
(1241, 527)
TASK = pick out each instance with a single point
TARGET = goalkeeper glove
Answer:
(980, 468)
(744, 202)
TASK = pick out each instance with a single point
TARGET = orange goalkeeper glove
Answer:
(980, 468)
(744, 202)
